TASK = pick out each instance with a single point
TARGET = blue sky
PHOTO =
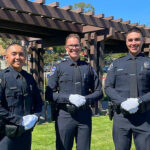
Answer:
(137, 11)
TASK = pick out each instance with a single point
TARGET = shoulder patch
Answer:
(53, 70)
(146, 64)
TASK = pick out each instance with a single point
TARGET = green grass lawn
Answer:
(44, 135)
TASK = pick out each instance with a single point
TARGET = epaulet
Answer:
(63, 60)
(121, 57)
(6, 70)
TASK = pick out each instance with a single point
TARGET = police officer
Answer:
(128, 86)
(20, 102)
(73, 87)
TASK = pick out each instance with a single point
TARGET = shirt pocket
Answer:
(65, 78)
(121, 75)
(13, 97)
(121, 72)
(65, 83)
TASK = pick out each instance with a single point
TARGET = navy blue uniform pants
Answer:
(68, 127)
(135, 126)
(18, 143)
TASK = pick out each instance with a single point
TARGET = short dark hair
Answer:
(73, 36)
(12, 44)
(135, 29)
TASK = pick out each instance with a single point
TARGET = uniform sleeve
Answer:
(96, 88)
(5, 115)
(52, 89)
(110, 86)
(38, 103)
(145, 97)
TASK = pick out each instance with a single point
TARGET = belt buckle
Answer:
(71, 108)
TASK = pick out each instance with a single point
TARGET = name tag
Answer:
(13, 88)
(77, 83)
(132, 74)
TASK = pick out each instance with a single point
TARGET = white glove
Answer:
(29, 121)
(134, 110)
(77, 100)
(131, 104)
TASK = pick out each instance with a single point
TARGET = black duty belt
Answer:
(144, 107)
(72, 108)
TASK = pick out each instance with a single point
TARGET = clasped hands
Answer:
(77, 100)
(130, 105)
(29, 121)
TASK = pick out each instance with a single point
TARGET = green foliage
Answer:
(54, 54)
(5, 42)
(50, 57)
(112, 56)
(85, 7)
(59, 49)
(44, 135)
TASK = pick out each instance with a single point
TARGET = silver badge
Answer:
(110, 67)
(146, 64)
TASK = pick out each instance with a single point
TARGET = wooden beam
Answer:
(118, 20)
(67, 7)
(147, 49)
(134, 24)
(90, 29)
(40, 1)
(54, 12)
(147, 40)
(14, 37)
(99, 16)
(141, 26)
(38, 21)
(119, 36)
(126, 22)
(34, 31)
(90, 13)
(109, 18)
(80, 10)
(54, 4)
(58, 13)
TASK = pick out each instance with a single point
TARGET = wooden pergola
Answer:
(47, 25)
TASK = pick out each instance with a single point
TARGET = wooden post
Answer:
(149, 51)
(37, 64)
(100, 59)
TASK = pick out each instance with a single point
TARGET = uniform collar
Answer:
(15, 73)
(130, 57)
(72, 63)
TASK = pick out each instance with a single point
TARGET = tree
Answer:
(112, 56)
(5, 42)
(50, 57)
(85, 7)
(59, 49)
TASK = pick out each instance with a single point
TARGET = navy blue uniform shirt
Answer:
(62, 83)
(117, 85)
(19, 96)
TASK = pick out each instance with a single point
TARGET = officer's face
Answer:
(73, 48)
(16, 57)
(134, 42)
